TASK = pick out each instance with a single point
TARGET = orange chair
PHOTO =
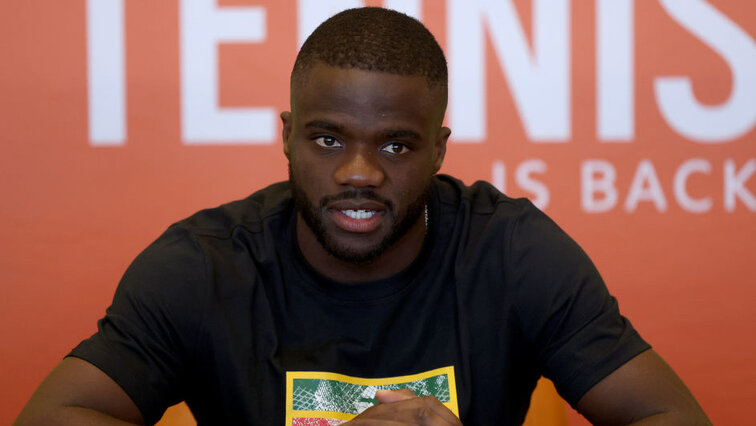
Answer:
(546, 406)
(178, 415)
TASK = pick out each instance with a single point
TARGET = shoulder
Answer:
(481, 215)
(481, 197)
(479, 206)
(182, 258)
(250, 213)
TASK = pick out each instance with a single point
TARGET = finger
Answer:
(441, 410)
(425, 410)
(373, 422)
(395, 414)
(384, 396)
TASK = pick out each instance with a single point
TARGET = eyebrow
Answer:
(325, 125)
(399, 134)
(387, 134)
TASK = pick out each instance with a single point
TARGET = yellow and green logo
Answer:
(316, 398)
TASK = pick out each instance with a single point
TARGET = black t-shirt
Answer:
(224, 312)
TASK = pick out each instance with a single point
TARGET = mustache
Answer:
(356, 194)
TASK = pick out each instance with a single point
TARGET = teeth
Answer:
(359, 214)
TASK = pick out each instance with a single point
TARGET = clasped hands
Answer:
(403, 407)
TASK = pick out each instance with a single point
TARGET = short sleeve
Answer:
(565, 309)
(147, 337)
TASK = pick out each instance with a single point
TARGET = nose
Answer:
(359, 169)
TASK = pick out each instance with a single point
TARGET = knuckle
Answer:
(430, 399)
(423, 413)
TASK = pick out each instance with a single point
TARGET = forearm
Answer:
(64, 416)
(674, 419)
(78, 393)
(644, 391)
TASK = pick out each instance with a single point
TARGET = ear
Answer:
(440, 148)
(286, 131)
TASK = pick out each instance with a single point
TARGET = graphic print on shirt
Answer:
(316, 398)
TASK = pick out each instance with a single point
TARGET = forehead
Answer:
(365, 95)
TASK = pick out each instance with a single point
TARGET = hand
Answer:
(403, 407)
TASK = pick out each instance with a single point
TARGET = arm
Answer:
(643, 391)
(137, 356)
(78, 393)
(596, 359)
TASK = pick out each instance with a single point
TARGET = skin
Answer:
(352, 130)
(78, 393)
(643, 391)
(406, 408)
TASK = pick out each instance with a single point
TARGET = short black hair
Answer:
(375, 39)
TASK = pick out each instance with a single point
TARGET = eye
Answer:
(395, 148)
(327, 142)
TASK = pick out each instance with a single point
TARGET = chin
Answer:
(351, 254)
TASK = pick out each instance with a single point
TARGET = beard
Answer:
(400, 222)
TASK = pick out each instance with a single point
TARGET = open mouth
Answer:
(359, 214)
(359, 221)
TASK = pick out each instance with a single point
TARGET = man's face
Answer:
(362, 148)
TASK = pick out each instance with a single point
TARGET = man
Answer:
(367, 288)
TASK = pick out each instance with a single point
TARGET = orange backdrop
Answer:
(629, 122)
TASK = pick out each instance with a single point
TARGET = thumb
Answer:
(385, 396)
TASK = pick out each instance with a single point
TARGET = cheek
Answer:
(411, 186)
(310, 176)
(301, 165)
